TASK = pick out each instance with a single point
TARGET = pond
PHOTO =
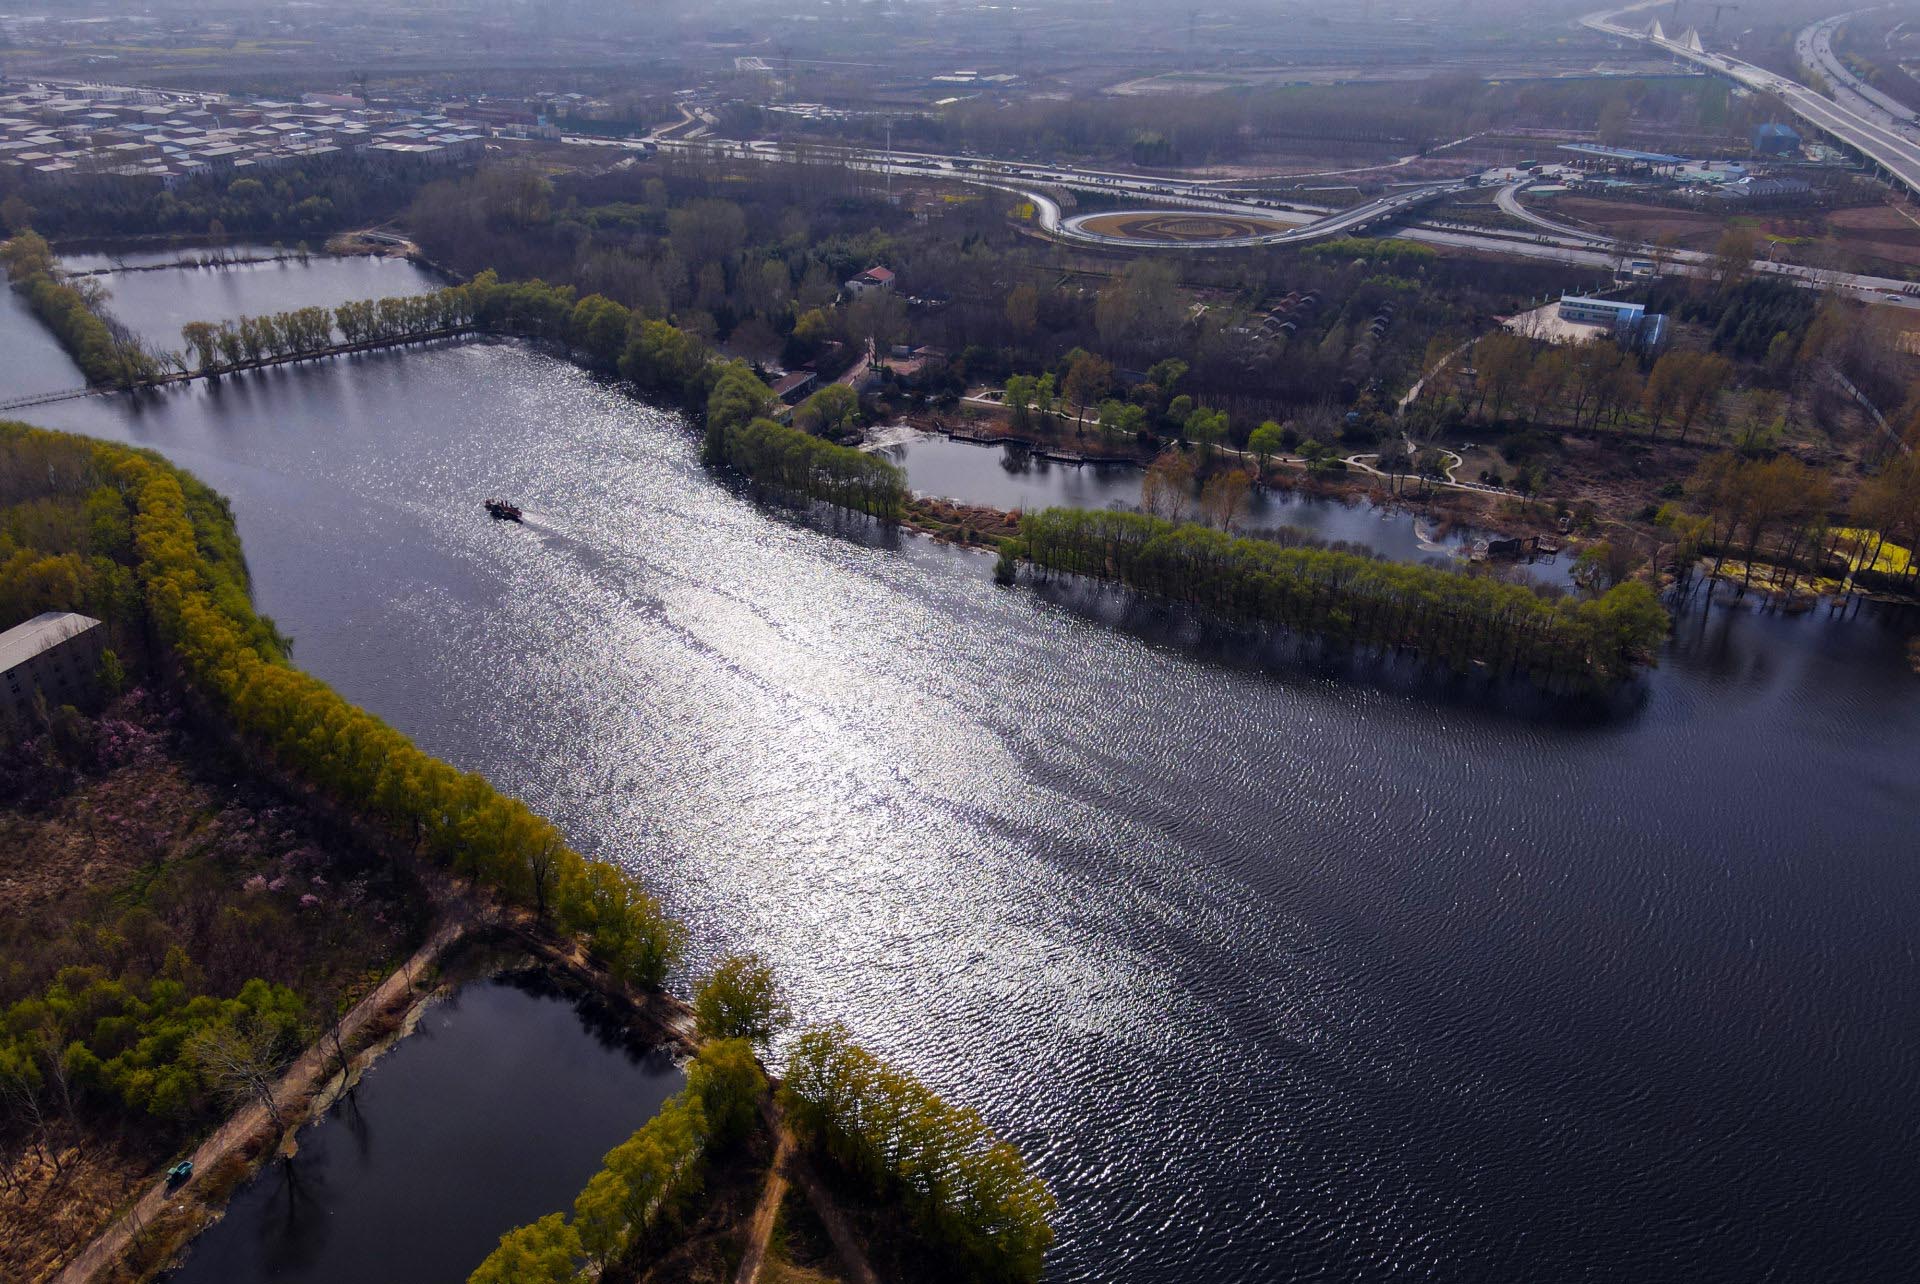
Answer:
(1013, 477)
(493, 1113)
(156, 304)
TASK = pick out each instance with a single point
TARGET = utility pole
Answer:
(889, 160)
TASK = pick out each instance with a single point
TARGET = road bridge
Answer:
(1885, 142)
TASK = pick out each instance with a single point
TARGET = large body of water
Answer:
(1276, 973)
(494, 1112)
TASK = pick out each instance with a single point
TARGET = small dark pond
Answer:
(494, 1112)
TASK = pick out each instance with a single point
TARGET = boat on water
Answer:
(501, 511)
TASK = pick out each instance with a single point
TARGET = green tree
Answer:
(1166, 375)
(662, 358)
(1018, 399)
(1265, 442)
(741, 1000)
(729, 1083)
(544, 1252)
(831, 412)
(1206, 429)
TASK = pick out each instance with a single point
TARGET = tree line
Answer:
(295, 202)
(1459, 620)
(1780, 511)
(792, 460)
(105, 352)
(215, 348)
(1588, 384)
(968, 1193)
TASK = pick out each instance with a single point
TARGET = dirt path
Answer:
(760, 1229)
(239, 1134)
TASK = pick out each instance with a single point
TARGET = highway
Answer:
(1815, 48)
(1344, 222)
(1508, 200)
(1548, 242)
(1881, 140)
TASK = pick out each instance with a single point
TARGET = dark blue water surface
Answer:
(1276, 973)
(494, 1112)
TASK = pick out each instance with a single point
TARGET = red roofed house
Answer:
(874, 278)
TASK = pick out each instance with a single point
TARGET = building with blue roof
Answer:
(1776, 140)
(1594, 156)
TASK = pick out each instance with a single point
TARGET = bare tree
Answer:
(543, 866)
(242, 1061)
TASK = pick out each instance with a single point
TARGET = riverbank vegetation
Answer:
(104, 351)
(792, 461)
(170, 923)
(644, 1185)
(970, 1197)
(1457, 620)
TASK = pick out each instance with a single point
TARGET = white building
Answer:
(1630, 322)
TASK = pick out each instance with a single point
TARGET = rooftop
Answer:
(1626, 154)
(40, 634)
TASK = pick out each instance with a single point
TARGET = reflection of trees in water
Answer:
(355, 1121)
(597, 1017)
(295, 1224)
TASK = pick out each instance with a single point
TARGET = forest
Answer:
(751, 256)
(295, 203)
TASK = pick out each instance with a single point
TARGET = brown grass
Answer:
(46, 858)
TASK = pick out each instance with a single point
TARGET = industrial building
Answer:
(1630, 323)
(56, 654)
(1620, 160)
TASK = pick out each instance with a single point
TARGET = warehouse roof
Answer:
(41, 634)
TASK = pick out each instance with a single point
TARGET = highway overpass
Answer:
(1883, 142)
(1347, 222)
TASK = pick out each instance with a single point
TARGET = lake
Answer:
(494, 1112)
(1278, 970)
